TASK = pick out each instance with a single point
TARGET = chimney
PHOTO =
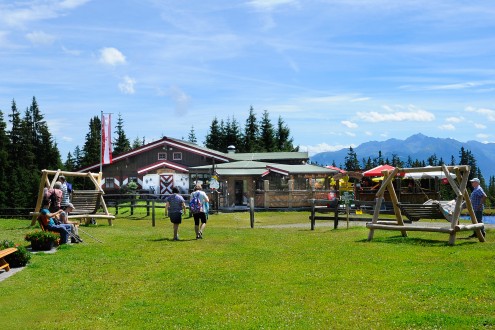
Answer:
(231, 149)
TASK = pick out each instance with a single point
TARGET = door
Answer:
(238, 191)
(166, 183)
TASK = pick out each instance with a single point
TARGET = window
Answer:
(162, 156)
(109, 183)
(177, 156)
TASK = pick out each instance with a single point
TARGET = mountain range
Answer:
(418, 147)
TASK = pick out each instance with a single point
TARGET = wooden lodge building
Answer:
(158, 166)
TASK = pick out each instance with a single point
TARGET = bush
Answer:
(42, 240)
(19, 258)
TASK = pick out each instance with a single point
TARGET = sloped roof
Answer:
(260, 156)
(300, 169)
(243, 164)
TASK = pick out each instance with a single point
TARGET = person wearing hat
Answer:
(63, 218)
(477, 198)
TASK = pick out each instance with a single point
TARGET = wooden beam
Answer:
(409, 228)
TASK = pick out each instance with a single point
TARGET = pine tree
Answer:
(121, 144)
(4, 162)
(137, 143)
(213, 139)
(192, 136)
(44, 147)
(282, 136)
(69, 164)
(267, 133)
(231, 134)
(78, 157)
(351, 161)
(251, 131)
(91, 149)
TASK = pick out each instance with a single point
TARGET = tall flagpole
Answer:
(101, 142)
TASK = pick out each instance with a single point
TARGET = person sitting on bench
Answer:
(49, 223)
(62, 217)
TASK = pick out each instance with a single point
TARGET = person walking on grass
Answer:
(199, 210)
(176, 206)
(477, 198)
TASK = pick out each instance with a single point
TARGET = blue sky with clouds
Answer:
(339, 72)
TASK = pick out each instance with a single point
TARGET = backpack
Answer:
(195, 203)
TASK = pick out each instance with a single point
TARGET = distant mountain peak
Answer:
(417, 146)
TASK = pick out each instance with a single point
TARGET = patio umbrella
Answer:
(377, 171)
(427, 175)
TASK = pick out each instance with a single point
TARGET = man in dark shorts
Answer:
(176, 206)
(201, 215)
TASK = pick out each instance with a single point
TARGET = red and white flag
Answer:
(106, 141)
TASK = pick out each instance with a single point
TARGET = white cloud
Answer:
(322, 147)
(412, 114)
(71, 51)
(447, 127)
(40, 38)
(21, 13)
(488, 113)
(127, 85)
(360, 99)
(350, 134)
(349, 124)
(268, 5)
(180, 98)
(111, 56)
(482, 136)
(480, 126)
(67, 138)
(455, 119)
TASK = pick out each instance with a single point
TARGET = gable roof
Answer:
(160, 164)
(166, 141)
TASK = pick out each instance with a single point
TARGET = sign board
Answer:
(214, 184)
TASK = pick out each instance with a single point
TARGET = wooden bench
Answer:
(3, 253)
(87, 204)
(415, 212)
(324, 206)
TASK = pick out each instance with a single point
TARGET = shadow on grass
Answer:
(165, 239)
(418, 241)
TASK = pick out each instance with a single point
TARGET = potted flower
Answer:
(42, 240)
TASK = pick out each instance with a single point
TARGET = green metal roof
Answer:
(260, 156)
(245, 164)
(301, 169)
(240, 172)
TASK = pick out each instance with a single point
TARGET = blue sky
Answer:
(340, 73)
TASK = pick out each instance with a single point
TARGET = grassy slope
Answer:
(243, 278)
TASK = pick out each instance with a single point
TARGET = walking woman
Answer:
(176, 206)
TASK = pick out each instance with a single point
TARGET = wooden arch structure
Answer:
(90, 203)
(459, 185)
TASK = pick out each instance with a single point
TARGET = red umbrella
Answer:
(377, 171)
(335, 168)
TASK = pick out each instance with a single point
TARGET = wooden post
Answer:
(346, 212)
(313, 211)
(147, 207)
(152, 213)
(266, 188)
(251, 211)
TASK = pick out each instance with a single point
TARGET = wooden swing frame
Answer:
(459, 186)
(95, 178)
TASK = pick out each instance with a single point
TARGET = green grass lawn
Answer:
(237, 277)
